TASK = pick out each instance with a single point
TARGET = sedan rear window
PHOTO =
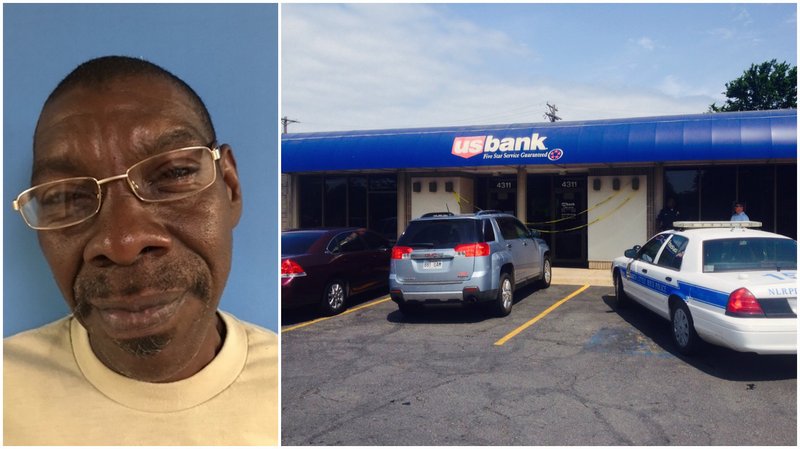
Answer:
(440, 233)
(749, 254)
(293, 243)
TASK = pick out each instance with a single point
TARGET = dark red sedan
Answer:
(326, 266)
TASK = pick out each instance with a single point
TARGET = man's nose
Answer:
(125, 229)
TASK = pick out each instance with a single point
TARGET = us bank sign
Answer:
(507, 148)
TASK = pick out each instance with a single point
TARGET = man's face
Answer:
(738, 208)
(144, 279)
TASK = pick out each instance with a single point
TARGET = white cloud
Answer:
(722, 33)
(743, 16)
(646, 43)
(348, 67)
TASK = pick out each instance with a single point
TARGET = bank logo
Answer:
(467, 147)
(504, 148)
(555, 155)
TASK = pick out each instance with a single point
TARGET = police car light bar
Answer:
(716, 224)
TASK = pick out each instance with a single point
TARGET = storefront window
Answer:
(708, 193)
(757, 190)
(717, 192)
(357, 213)
(335, 201)
(358, 201)
(786, 200)
(683, 185)
(310, 199)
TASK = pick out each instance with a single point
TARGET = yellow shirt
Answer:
(56, 392)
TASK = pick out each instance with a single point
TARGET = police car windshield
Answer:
(440, 233)
(749, 254)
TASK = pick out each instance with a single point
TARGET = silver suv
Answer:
(446, 258)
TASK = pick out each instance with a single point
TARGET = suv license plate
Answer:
(432, 264)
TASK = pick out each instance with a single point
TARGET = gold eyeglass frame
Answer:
(213, 148)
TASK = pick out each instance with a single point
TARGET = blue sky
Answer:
(227, 53)
(362, 66)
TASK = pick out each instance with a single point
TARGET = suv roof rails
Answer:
(489, 211)
(437, 214)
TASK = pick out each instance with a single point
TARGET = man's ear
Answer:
(230, 175)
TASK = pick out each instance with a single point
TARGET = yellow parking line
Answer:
(516, 331)
(309, 323)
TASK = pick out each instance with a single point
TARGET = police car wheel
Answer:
(683, 332)
(621, 299)
(334, 297)
(505, 295)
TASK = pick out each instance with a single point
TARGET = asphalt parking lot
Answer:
(563, 369)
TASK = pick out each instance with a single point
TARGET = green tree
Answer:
(769, 85)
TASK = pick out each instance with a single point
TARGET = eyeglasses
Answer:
(168, 176)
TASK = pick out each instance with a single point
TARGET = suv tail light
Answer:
(398, 252)
(291, 269)
(743, 303)
(473, 249)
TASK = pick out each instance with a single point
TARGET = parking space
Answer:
(564, 368)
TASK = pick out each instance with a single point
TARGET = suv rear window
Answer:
(440, 233)
(747, 254)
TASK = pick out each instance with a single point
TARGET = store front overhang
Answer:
(735, 136)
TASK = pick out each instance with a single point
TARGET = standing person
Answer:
(738, 212)
(135, 203)
(668, 215)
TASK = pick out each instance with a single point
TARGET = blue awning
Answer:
(756, 135)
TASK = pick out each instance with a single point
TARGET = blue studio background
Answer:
(227, 53)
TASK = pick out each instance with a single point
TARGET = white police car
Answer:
(721, 281)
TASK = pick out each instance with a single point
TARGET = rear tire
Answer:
(333, 298)
(505, 296)
(547, 274)
(683, 333)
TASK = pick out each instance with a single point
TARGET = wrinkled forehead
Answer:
(133, 114)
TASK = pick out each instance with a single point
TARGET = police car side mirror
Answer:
(631, 253)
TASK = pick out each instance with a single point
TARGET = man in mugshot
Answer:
(134, 202)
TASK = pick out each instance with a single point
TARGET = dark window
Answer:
(346, 242)
(672, 256)
(756, 189)
(294, 243)
(650, 249)
(488, 231)
(717, 192)
(749, 253)
(786, 200)
(374, 241)
(310, 197)
(336, 201)
(440, 233)
(357, 202)
(683, 185)
(383, 183)
(511, 228)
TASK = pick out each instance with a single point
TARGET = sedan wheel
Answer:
(333, 298)
(683, 332)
